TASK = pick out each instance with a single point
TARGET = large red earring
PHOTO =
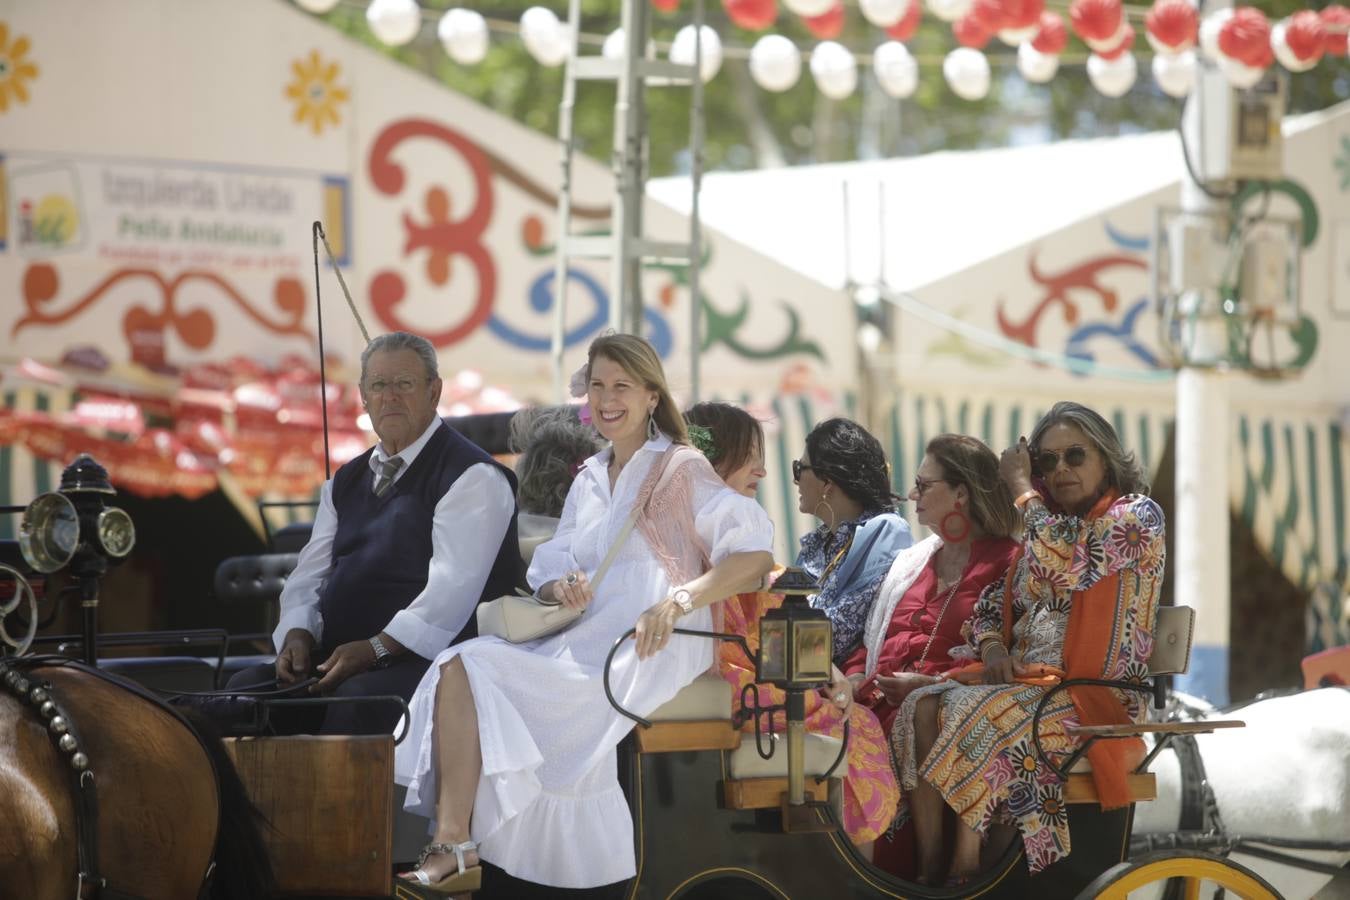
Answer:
(955, 525)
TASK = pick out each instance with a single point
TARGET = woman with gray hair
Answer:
(1079, 601)
(553, 444)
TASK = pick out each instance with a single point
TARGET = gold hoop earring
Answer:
(824, 501)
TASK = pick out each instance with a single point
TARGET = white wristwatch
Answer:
(684, 600)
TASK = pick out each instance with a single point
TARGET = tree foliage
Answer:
(747, 127)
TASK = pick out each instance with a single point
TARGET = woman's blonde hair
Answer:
(966, 460)
(638, 358)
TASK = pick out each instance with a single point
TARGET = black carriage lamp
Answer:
(75, 527)
(795, 643)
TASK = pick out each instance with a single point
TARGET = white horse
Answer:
(1286, 775)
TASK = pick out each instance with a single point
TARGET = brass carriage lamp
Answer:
(795, 644)
(75, 527)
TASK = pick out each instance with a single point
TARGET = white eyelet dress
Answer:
(549, 808)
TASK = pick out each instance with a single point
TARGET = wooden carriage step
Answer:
(767, 793)
(330, 802)
(1080, 788)
(1133, 730)
(669, 737)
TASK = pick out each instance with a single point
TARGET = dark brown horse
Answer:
(173, 819)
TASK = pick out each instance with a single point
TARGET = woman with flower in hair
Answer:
(843, 479)
(1079, 601)
(733, 441)
(511, 748)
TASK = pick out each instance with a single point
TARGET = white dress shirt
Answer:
(461, 557)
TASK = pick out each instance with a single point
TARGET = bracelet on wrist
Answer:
(1025, 498)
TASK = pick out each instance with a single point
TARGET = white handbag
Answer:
(524, 617)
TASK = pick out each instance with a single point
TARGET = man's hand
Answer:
(898, 686)
(293, 660)
(347, 660)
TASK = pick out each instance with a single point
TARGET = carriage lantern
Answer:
(795, 654)
(75, 527)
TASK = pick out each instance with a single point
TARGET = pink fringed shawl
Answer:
(667, 520)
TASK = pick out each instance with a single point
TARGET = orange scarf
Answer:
(1087, 643)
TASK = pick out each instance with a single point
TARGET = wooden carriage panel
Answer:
(669, 737)
(330, 803)
(1081, 789)
(767, 793)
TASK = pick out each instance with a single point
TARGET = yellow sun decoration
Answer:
(15, 69)
(316, 92)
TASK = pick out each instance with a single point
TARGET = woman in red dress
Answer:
(931, 589)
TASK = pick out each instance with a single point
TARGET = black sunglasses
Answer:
(1048, 460)
(797, 468)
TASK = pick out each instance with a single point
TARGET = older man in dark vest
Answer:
(409, 537)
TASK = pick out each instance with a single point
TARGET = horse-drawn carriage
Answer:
(107, 792)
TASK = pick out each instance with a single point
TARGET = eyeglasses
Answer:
(798, 467)
(921, 485)
(397, 386)
(1048, 460)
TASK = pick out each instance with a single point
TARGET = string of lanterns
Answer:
(1241, 41)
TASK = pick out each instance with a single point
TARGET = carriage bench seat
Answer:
(697, 718)
(757, 783)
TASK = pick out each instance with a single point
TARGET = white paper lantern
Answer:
(835, 69)
(1016, 37)
(884, 13)
(544, 36)
(1175, 73)
(1112, 77)
(809, 7)
(464, 35)
(1240, 75)
(1036, 66)
(775, 63)
(394, 22)
(949, 10)
(318, 7)
(682, 50)
(967, 72)
(896, 70)
(1280, 44)
(1210, 26)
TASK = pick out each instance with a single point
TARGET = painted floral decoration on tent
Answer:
(316, 93)
(15, 68)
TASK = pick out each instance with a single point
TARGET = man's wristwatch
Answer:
(684, 600)
(382, 655)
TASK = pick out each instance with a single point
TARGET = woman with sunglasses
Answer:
(1080, 601)
(843, 479)
(733, 441)
(931, 589)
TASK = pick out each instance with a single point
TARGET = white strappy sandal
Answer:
(468, 878)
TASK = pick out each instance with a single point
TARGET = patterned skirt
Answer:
(985, 764)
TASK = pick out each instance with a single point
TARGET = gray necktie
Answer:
(387, 470)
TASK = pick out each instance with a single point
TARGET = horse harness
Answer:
(15, 676)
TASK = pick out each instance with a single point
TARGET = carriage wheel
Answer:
(1192, 869)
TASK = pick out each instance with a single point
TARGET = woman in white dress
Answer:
(512, 746)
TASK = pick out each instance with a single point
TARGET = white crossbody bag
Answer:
(524, 617)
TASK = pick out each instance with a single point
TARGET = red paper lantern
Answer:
(826, 26)
(1245, 37)
(1306, 35)
(988, 14)
(666, 6)
(1119, 49)
(1022, 13)
(752, 15)
(1096, 20)
(1053, 36)
(1173, 23)
(1336, 20)
(971, 32)
(908, 24)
